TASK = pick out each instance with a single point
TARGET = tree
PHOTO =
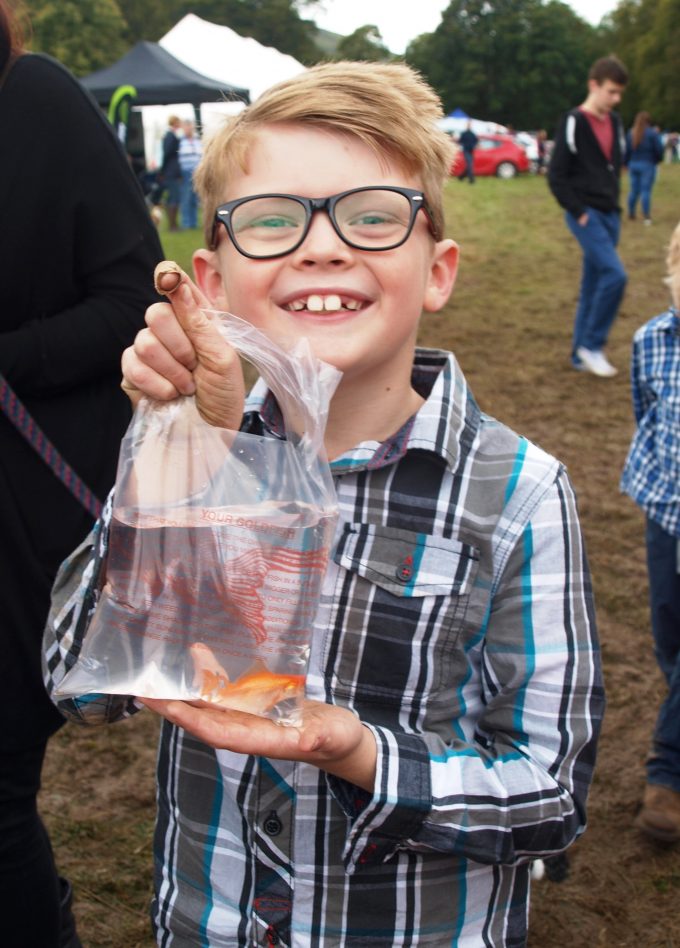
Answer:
(82, 34)
(518, 62)
(151, 19)
(647, 37)
(365, 43)
(274, 23)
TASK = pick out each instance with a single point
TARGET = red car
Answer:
(495, 154)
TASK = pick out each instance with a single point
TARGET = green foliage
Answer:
(151, 19)
(365, 43)
(82, 34)
(647, 37)
(274, 23)
(519, 62)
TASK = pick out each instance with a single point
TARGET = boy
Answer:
(651, 476)
(454, 692)
(584, 173)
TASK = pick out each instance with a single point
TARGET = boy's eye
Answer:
(271, 222)
(371, 217)
(267, 218)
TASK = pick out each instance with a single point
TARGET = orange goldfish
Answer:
(257, 691)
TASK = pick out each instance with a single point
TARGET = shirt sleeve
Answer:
(74, 598)
(641, 394)
(516, 789)
(561, 167)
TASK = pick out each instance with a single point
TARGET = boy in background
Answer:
(584, 176)
(651, 476)
(454, 695)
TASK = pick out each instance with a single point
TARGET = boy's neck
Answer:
(367, 413)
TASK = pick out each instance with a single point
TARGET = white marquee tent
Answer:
(218, 52)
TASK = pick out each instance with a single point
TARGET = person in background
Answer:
(171, 173)
(671, 147)
(644, 151)
(468, 142)
(189, 155)
(542, 148)
(651, 476)
(454, 692)
(584, 176)
(76, 251)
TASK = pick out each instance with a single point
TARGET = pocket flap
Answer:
(407, 563)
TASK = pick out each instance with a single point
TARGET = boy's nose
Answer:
(322, 244)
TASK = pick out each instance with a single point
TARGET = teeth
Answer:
(318, 304)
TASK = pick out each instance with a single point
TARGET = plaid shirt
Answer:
(651, 474)
(457, 620)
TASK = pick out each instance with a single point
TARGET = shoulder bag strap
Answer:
(23, 421)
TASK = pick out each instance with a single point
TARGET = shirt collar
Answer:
(447, 421)
(674, 320)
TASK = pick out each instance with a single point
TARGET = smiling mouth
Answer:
(332, 303)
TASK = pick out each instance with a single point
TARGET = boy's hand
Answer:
(182, 353)
(331, 738)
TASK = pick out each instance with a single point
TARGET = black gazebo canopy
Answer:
(159, 79)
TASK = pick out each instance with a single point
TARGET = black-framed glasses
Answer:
(271, 225)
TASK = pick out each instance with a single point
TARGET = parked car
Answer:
(529, 142)
(495, 154)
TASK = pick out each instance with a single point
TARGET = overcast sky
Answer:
(400, 21)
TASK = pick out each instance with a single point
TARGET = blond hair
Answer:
(387, 106)
(673, 266)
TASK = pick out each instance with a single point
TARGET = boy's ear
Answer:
(209, 278)
(442, 276)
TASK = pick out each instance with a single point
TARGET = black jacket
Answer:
(579, 175)
(77, 252)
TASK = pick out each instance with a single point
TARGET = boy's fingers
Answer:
(187, 302)
(167, 277)
(217, 375)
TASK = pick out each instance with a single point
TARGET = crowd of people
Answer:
(173, 185)
(454, 692)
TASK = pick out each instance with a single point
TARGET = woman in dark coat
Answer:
(77, 252)
(644, 151)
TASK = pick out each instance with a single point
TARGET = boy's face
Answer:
(604, 96)
(372, 334)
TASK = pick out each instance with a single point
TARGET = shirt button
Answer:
(273, 825)
(404, 571)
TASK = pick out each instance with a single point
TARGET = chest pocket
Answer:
(401, 599)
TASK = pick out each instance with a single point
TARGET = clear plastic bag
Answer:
(219, 541)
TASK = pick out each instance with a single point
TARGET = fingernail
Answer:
(163, 268)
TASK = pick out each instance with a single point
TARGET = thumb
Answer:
(218, 376)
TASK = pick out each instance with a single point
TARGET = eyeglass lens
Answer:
(373, 219)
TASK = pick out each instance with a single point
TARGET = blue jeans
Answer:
(188, 204)
(642, 177)
(469, 159)
(603, 279)
(663, 766)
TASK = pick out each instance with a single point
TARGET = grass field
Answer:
(509, 323)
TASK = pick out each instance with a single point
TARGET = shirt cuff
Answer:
(383, 822)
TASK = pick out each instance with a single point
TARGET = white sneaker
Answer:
(596, 362)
